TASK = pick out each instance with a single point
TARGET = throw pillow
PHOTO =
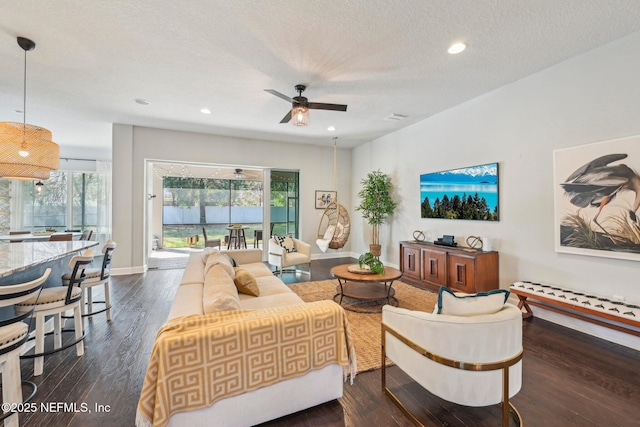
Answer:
(219, 293)
(328, 235)
(460, 304)
(205, 254)
(216, 258)
(246, 282)
(286, 242)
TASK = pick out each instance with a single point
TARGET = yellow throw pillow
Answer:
(246, 282)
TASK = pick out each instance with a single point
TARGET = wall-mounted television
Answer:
(465, 193)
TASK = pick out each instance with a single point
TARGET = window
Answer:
(69, 200)
(284, 202)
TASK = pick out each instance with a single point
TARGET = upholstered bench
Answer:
(618, 315)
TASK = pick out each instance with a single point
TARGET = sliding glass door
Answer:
(189, 204)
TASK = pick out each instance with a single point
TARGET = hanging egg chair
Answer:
(335, 226)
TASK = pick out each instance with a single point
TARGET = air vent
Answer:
(395, 117)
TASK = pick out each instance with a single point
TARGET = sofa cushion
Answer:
(270, 301)
(271, 285)
(246, 282)
(194, 271)
(188, 301)
(286, 242)
(460, 304)
(219, 292)
(258, 269)
(204, 255)
(216, 258)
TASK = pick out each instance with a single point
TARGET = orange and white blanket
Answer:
(200, 359)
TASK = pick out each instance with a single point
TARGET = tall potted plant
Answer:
(376, 204)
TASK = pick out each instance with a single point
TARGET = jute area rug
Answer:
(365, 322)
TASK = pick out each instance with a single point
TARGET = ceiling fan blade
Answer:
(287, 118)
(321, 106)
(279, 95)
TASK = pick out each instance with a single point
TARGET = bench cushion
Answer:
(587, 301)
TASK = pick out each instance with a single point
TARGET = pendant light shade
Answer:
(300, 115)
(27, 151)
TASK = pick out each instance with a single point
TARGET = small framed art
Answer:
(323, 198)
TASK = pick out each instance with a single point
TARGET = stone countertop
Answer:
(16, 257)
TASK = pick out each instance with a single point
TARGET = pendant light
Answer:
(26, 151)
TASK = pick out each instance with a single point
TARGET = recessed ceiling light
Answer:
(143, 101)
(457, 48)
(205, 111)
(331, 128)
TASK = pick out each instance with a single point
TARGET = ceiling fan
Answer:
(300, 106)
(240, 174)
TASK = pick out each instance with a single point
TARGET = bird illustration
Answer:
(597, 184)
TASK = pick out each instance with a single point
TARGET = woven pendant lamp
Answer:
(27, 151)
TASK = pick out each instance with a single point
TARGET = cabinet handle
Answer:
(460, 273)
(412, 262)
(433, 267)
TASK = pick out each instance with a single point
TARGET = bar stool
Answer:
(96, 277)
(13, 335)
(56, 301)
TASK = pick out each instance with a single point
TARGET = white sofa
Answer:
(270, 402)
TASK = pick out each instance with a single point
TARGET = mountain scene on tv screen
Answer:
(466, 193)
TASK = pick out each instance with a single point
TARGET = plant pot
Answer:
(376, 250)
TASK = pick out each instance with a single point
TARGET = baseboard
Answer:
(123, 271)
(333, 254)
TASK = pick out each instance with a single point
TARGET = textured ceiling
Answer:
(94, 58)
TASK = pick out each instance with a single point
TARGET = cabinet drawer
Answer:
(411, 262)
(434, 266)
(461, 273)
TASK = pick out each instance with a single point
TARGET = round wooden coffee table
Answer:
(363, 286)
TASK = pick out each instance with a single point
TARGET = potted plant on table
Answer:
(376, 204)
(371, 262)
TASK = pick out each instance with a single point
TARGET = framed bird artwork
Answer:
(597, 199)
(323, 198)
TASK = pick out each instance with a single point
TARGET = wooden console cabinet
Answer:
(430, 266)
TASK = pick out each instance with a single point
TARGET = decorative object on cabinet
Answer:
(466, 193)
(430, 266)
(376, 204)
(597, 197)
(475, 242)
(446, 240)
(418, 236)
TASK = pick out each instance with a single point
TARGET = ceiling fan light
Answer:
(300, 116)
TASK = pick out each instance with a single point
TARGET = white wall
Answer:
(133, 145)
(590, 98)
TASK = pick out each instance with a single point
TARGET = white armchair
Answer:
(467, 360)
(281, 259)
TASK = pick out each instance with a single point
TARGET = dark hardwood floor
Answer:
(569, 379)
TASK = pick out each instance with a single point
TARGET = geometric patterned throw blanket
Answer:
(197, 360)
